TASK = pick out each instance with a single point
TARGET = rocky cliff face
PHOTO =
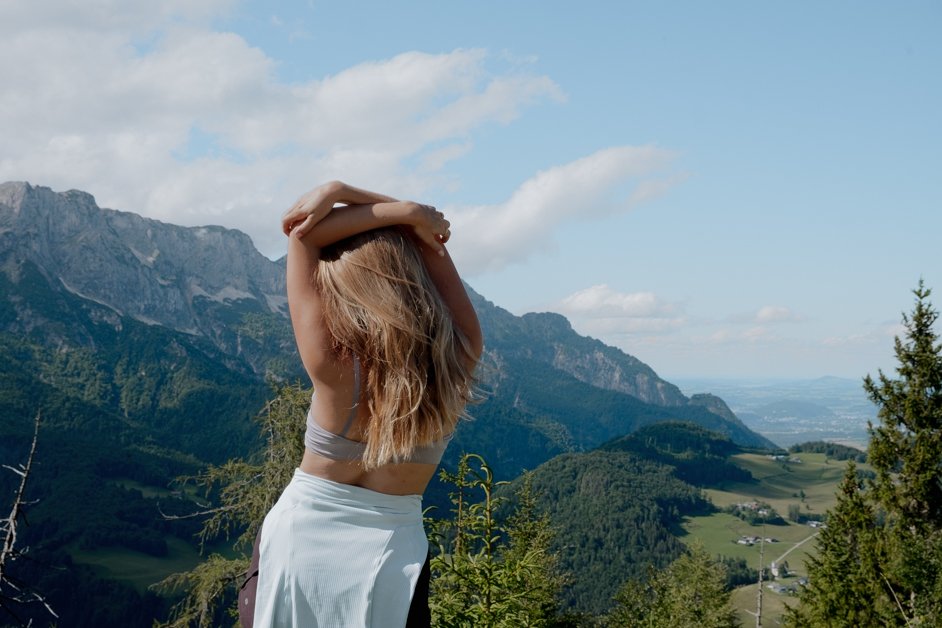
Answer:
(152, 271)
(550, 339)
(182, 278)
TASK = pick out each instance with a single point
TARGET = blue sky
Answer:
(721, 189)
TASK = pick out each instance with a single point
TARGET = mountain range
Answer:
(210, 284)
(148, 347)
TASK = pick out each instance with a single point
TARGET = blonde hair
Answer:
(381, 305)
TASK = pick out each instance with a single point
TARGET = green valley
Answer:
(806, 481)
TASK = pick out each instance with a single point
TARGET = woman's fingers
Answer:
(301, 215)
(308, 224)
(431, 239)
(291, 218)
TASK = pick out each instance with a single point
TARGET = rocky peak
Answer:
(714, 404)
(549, 338)
(548, 322)
(609, 368)
(150, 270)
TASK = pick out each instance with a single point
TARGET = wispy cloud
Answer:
(726, 336)
(879, 334)
(602, 302)
(765, 315)
(775, 314)
(609, 181)
(602, 311)
(154, 111)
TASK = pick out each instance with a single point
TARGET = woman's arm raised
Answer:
(316, 205)
(311, 224)
(444, 275)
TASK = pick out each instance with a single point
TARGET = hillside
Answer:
(614, 514)
(637, 500)
(617, 510)
(803, 485)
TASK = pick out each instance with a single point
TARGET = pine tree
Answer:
(690, 592)
(487, 572)
(906, 453)
(536, 572)
(906, 449)
(843, 587)
(880, 559)
(245, 491)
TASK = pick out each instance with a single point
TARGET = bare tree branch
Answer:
(9, 589)
(199, 513)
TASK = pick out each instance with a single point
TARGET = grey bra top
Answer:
(338, 447)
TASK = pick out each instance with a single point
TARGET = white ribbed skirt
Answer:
(336, 555)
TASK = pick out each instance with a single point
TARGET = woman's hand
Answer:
(430, 226)
(314, 206)
(311, 208)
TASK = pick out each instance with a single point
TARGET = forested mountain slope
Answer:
(616, 510)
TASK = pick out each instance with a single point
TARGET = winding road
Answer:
(796, 546)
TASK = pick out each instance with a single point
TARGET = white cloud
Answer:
(611, 328)
(603, 312)
(602, 302)
(148, 108)
(725, 336)
(774, 314)
(720, 337)
(755, 334)
(767, 314)
(611, 180)
(104, 16)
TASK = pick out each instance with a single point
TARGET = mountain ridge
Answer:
(211, 281)
(149, 347)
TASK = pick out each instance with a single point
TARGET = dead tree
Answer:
(14, 594)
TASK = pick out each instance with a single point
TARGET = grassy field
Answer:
(147, 490)
(773, 605)
(779, 484)
(142, 570)
(156, 492)
(719, 533)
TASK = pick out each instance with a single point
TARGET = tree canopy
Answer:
(880, 558)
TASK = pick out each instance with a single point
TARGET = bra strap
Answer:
(356, 396)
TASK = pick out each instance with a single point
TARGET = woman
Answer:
(390, 341)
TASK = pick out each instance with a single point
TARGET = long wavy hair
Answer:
(381, 305)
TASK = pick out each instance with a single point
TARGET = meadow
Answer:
(810, 484)
(139, 569)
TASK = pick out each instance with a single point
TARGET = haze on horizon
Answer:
(721, 191)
